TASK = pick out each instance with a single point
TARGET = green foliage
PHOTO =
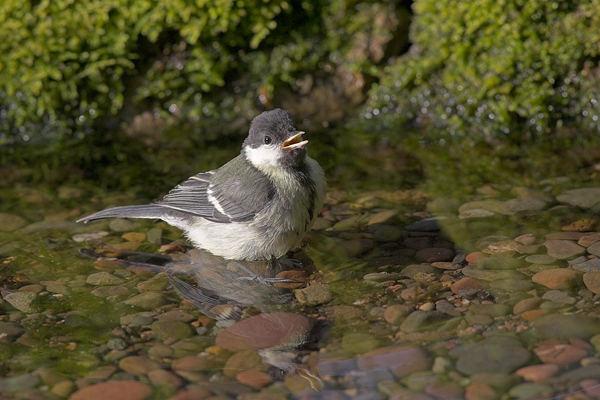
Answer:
(495, 68)
(74, 63)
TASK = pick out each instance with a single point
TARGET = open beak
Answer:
(295, 142)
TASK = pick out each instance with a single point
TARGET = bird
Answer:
(256, 207)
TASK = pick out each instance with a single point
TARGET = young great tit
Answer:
(257, 206)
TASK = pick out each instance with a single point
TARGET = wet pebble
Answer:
(499, 263)
(122, 225)
(592, 265)
(558, 278)
(157, 283)
(387, 233)
(422, 320)
(137, 365)
(160, 377)
(83, 237)
(397, 313)
(110, 291)
(255, 379)
(466, 286)
(583, 197)
(526, 305)
(434, 254)
(512, 285)
(114, 390)
(495, 354)
(315, 294)
(492, 275)
(558, 296)
(563, 249)
(104, 279)
(172, 328)
(11, 222)
(22, 301)
(402, 360)
(538, 373)
(592, 281)
(565, 325)
(540, 259)
(530, 391)
(359, 342)
(147, 300)
(17, 383)
(561, 354)
(242, 361)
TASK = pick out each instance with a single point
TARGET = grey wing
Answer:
(221, 201)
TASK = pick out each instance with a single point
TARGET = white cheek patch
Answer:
(264, 156)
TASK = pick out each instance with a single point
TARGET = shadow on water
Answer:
(434, 272)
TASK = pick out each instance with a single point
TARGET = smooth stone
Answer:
(344, 314)
(528, 193)
(563, 249)
(63, 388)
(137, 365)
(44, 226)
(178, 315)
(154, 235)
(110, 291)
(495, 354)
(172, 328)
(417, 243)
(501, 247)
(160, 377)
(425, 225)
(492, 275)
(242, 361)
(584, 197)
(397, 313)
(589, 239)
(420, 320)
(359, 342)
(402, 360)
(104, 279)
(434, 254)
(575, 236)
(526, 239)
(57, 288)
(540, 259)
(412, 270)
(194, 364)
(478, 319)
(84, 237)
(122, 225)
(496, 206)
(530, 391)
(10, 329)
(18, 383)
(382, 217)
(499, 263)
(538, 373)
(493, 310)
(592, 265)
(22, 301)
(558, 296)
(387, 233)
(314, 295)
(466, 285)
(558, 278)
(512, 285)
(476, 213)
(157, 283)
(113, 390)
(381, 276)
(525, 204)
(594, 249)
(579, 223)
(11, 222)
(591, 281)
(255, 379)
(147, 300)
(561, 354)
(565, 326)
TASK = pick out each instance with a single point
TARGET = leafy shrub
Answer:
(495, 68)
(83, 61)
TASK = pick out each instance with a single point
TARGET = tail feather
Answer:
(151, 211)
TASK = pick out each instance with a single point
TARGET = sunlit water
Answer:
(436, 273)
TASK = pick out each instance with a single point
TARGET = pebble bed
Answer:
(497, 297)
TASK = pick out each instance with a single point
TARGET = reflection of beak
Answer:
(294, 142)
(316, 383)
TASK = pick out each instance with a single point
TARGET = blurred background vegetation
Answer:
(150, 82)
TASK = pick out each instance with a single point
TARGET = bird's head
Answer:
(274, 141)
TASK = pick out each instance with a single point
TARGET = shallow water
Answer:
(434, 272)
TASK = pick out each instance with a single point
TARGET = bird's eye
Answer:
(268, 140)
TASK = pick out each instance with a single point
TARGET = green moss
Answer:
(495, 68)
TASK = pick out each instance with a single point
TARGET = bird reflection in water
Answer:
(256, 299)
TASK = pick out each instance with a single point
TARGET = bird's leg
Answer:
(285, 263)
(262, 279)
